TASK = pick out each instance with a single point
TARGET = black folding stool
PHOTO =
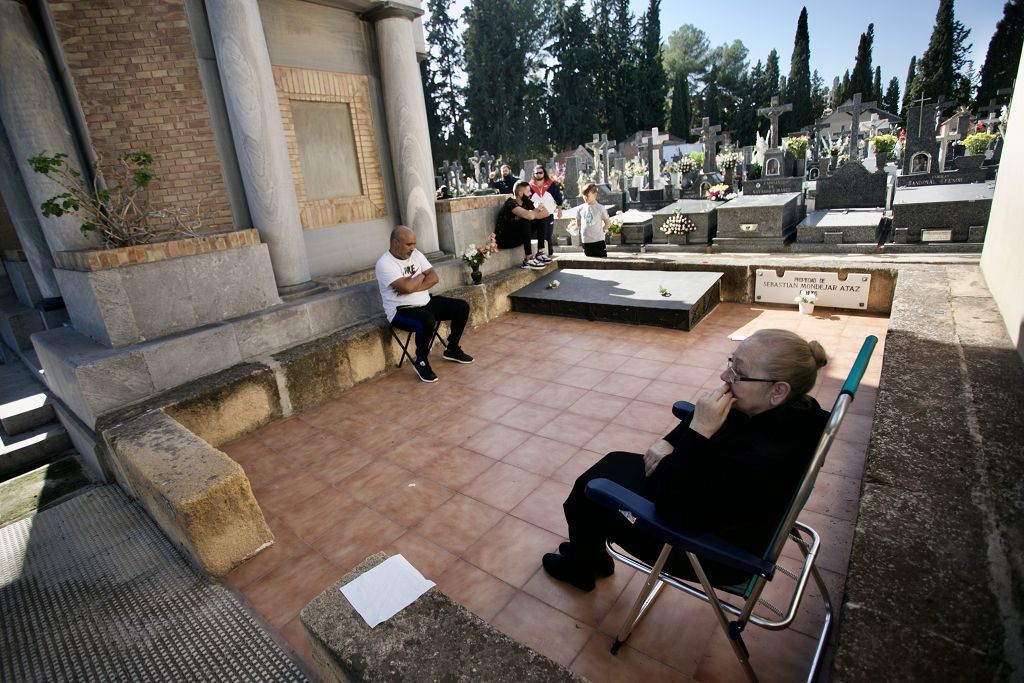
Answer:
(408, 340)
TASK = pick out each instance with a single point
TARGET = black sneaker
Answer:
(454, 353)
(603, 565)
(565, 569)
(422, 369)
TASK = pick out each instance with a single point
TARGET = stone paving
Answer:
(466, 478)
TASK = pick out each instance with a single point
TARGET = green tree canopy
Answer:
(441, 73)
(935, 72)
(573, 116)
(680, 117)
(1003, 56)
(651, 70)
(907, 84)
(890, 102)
(861, 77)
(799, 82)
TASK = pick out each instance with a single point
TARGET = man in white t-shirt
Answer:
(404, 276)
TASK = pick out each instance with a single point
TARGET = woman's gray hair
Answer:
(790, 358)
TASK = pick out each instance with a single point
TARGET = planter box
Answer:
(133, 294)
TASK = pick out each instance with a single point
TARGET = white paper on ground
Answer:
(385, 590)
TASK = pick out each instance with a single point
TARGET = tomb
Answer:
(851, 187)
(954, 213)
(759, 222)
(623, 296)
(704, 214)
(636, 227)
(835, 227)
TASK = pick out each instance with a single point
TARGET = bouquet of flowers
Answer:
(634, 168)
(728, 159)
(885, 145)
(685, 164)
(475, 256)
(678, 224)
(616, 227)
(720, 192)
(979, 142)
(670, 167)
(805, 297)
(798, 145)
(559, 175)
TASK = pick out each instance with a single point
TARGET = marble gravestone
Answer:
(704, 214)
(758, 223)
(637, 227)
(957, 213)
(851, 187)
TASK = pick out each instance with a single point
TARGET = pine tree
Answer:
(860, 77)
(680, 119)
(799, 83)
(890, 102)
(907, 85)
(573, 78)
(935, 77)
(876, 90)
(819, 95)
(441, 73)
(651, 100)
(1003, 56)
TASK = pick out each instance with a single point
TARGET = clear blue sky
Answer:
(902, 28)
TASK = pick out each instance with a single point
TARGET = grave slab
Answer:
(624, 296)
(851, 187)
(956, 208)
(637, 227)
(760, 216)
(853, 226)
(704, 214)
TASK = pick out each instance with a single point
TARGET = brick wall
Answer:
(137, 79)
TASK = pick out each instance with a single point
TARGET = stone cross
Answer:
(446, 174)
(597, 148)
(855, 108)
(457, 172)
(773, 113)
(819, 125)
(992, 119)
(654, 144)
(487, 161)
(608, 147)
(709, 137)
(475, 162)
(944, 139)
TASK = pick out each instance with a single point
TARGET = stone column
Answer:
(406, 114)
(34, 120)
(251, 99)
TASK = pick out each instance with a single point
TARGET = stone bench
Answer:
(433, 639)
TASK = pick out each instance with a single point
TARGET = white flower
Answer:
(805, 297)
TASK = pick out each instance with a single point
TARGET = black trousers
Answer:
(591, 524)
(544, 229)
(521, 235)
(420, 320)
(595, 249)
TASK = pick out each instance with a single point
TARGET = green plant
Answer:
(884, 145)
(798, 146)
(979, 142)
(698, 159)
(754, 171)
(615, 226)
(119, 211)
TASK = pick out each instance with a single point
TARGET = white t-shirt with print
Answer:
(390, 269)
(591, 222)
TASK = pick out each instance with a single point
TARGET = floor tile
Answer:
(455, 427)
(615, 437)
(589, 607)
(376, 480)
(458, 467)
(502, 486)
(284, 492)
(665, 394)
(285, 433)
(417, 453)
(430, 559)
(282, 593)
(642, 367)
(776, 656)
(602, 360)
(620, 384)
(576, 465)
(690, 375)
(598, 405)
(410, 503)
(492, 407)
(649, 417)
(540, 455)
(457, 523)
(597, 664)
(285, 548)
(366, 532)
(583, 378)
(528, 417)
(543, 507)
(558, 396)
(325, 510)
(475, 589)
(545, 629)
(295, 634)
(511, 550)
(496, 441)
(572, 429)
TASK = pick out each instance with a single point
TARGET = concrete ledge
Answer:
(198, 496)
(935, 589)
(434, 639)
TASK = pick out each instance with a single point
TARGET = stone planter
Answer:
(880, 161)
(133, 294)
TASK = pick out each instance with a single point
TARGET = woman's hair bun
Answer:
(820, 358)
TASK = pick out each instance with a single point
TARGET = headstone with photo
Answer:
(920, 152)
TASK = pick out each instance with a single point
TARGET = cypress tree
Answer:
(651, 100)
(819, 95)
(860, 77)
(570, 107)
(799, 83)
(890, 102)
(908, 85)
(441, 74)
(935, 76)
(771, 78)
(682, 114)
(876, 90)
(845, 91)
(1003, 56)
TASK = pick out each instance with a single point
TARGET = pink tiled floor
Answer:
(466, 478)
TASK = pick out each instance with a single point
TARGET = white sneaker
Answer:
(534, 264)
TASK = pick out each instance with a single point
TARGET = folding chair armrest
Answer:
(642, 514)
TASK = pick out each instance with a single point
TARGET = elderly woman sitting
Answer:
(730, 469)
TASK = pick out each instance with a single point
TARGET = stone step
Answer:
(24, 402)
(30, 448)
(41, 488)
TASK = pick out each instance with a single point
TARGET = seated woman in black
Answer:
(517, 221)
(732, 469)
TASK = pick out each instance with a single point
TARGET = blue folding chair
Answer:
(708, 547)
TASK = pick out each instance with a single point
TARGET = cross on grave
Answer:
(949, 136)
(855, 108)
(474, 161)
(486, 159)
(709, 137)
(819, 125)
(920, 122)
(941, 105)
(773, 113)
(457, 172)
(446, 174)
(654, 143)
(608, 147)
(597, 148)
(991, 120)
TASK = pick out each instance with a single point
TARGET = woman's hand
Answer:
(654, 455)
(711, 410)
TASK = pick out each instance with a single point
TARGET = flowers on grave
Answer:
(559, 175)
(615, 227)
(719, 192)
(573, 227)
(678, 224)
(805, 297)
(885, 145)
(634, 168)
(979, 142)
(728, 159)
(669, 168)
(697, 158)
(664, 290)
(798, 145)
(554, 284)
(685, 164)
(475, 256)
(754, 171)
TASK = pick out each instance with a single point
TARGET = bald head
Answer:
(403, 241)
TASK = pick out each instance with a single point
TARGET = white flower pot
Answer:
(806, 309)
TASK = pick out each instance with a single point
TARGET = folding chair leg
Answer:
(651, 590)
(826, 626)
(734, 630)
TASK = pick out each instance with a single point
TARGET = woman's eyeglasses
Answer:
(732, 376)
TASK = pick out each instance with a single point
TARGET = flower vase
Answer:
(806, 308)
(674, 178)
(880, 161)
(729, 175)
(477, 276)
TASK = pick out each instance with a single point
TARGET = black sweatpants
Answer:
(591, 524)
(420, 320)
(521, 235)
(599, 249)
